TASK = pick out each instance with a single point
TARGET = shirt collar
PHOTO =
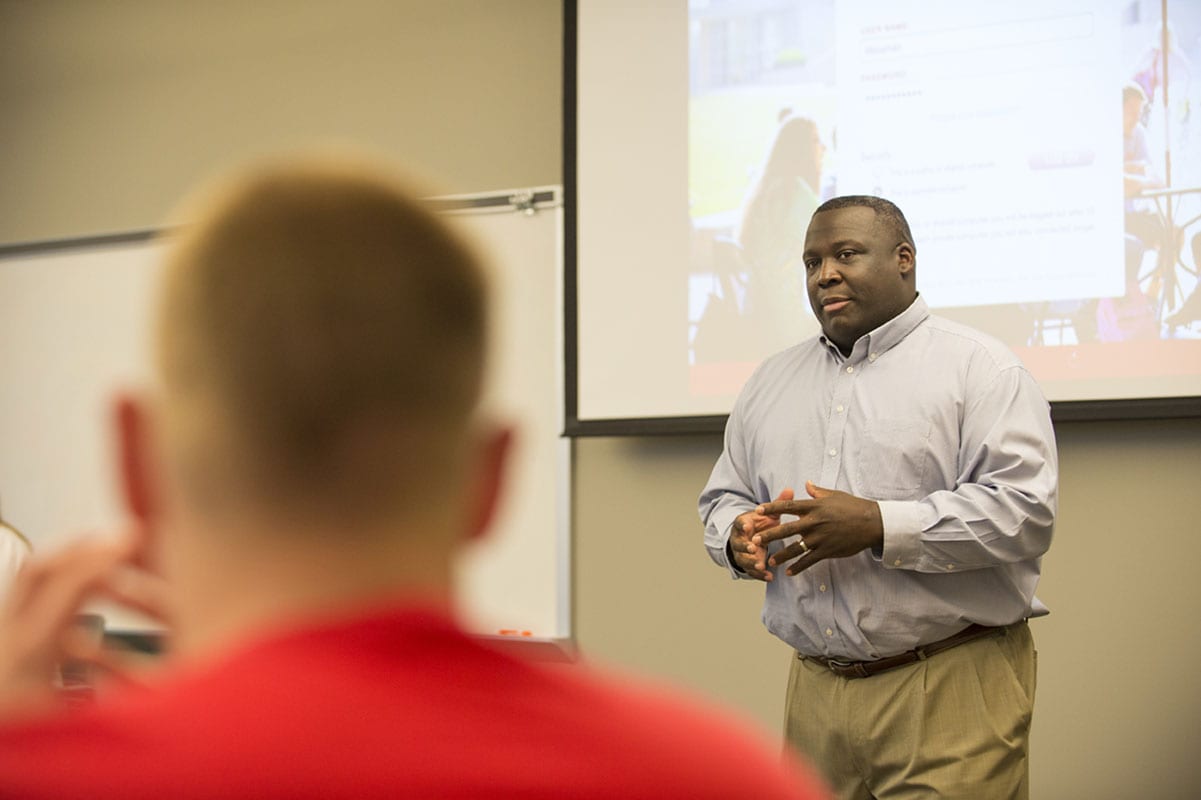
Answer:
(886, 336)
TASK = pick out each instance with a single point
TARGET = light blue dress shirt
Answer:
(944, 427)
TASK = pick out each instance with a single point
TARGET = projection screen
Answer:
(1047, 154)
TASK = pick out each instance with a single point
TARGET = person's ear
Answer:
(906, 259)
(491, 471)
(133, 457)
(135, 465)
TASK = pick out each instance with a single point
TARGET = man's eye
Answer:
(845, 254)
(811, 264)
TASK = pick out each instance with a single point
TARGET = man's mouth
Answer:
(833, 304)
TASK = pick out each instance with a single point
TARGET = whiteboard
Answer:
(74, 328)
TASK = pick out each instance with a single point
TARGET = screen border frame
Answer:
(1137, 408)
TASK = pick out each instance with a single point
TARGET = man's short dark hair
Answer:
(886, 211)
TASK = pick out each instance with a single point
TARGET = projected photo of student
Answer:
(771, 233)
(761, 308)
(1161, 184)
(1133, 316)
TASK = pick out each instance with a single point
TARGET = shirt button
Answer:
(822, 587)
(872, 357)
(839, 409)
(829, 632)
(833, 452)
(850, 369)
(897, 563)
(950, 566)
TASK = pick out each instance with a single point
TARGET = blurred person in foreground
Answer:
(903, 581)
(306, 470)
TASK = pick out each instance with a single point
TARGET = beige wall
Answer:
(109, 114)
(1118, 712)
(110, 110)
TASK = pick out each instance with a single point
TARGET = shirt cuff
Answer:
(902, 533)
(724, 521)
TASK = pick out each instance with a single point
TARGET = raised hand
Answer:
(39, 631)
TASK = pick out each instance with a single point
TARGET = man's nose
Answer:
(827, 273)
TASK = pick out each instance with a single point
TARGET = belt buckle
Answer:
(835, 664)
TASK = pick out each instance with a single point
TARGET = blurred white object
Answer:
(14, 550)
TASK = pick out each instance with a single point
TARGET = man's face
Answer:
(858, 273)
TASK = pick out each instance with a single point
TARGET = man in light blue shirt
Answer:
(904, 579)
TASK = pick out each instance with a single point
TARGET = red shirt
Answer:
(398, 703)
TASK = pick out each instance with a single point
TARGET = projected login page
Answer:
(992, 126)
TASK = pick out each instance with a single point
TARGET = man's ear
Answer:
(906, 259)
(133, 458)
(491, 471)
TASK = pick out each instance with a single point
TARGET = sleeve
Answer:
(1002, 509)
(728, 493)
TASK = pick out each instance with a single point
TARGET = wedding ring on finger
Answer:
(804, 547)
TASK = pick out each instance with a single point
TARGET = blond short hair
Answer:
(321, 340)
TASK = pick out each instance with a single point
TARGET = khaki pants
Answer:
(956, 725)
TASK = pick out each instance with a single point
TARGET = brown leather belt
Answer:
(864, 669)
